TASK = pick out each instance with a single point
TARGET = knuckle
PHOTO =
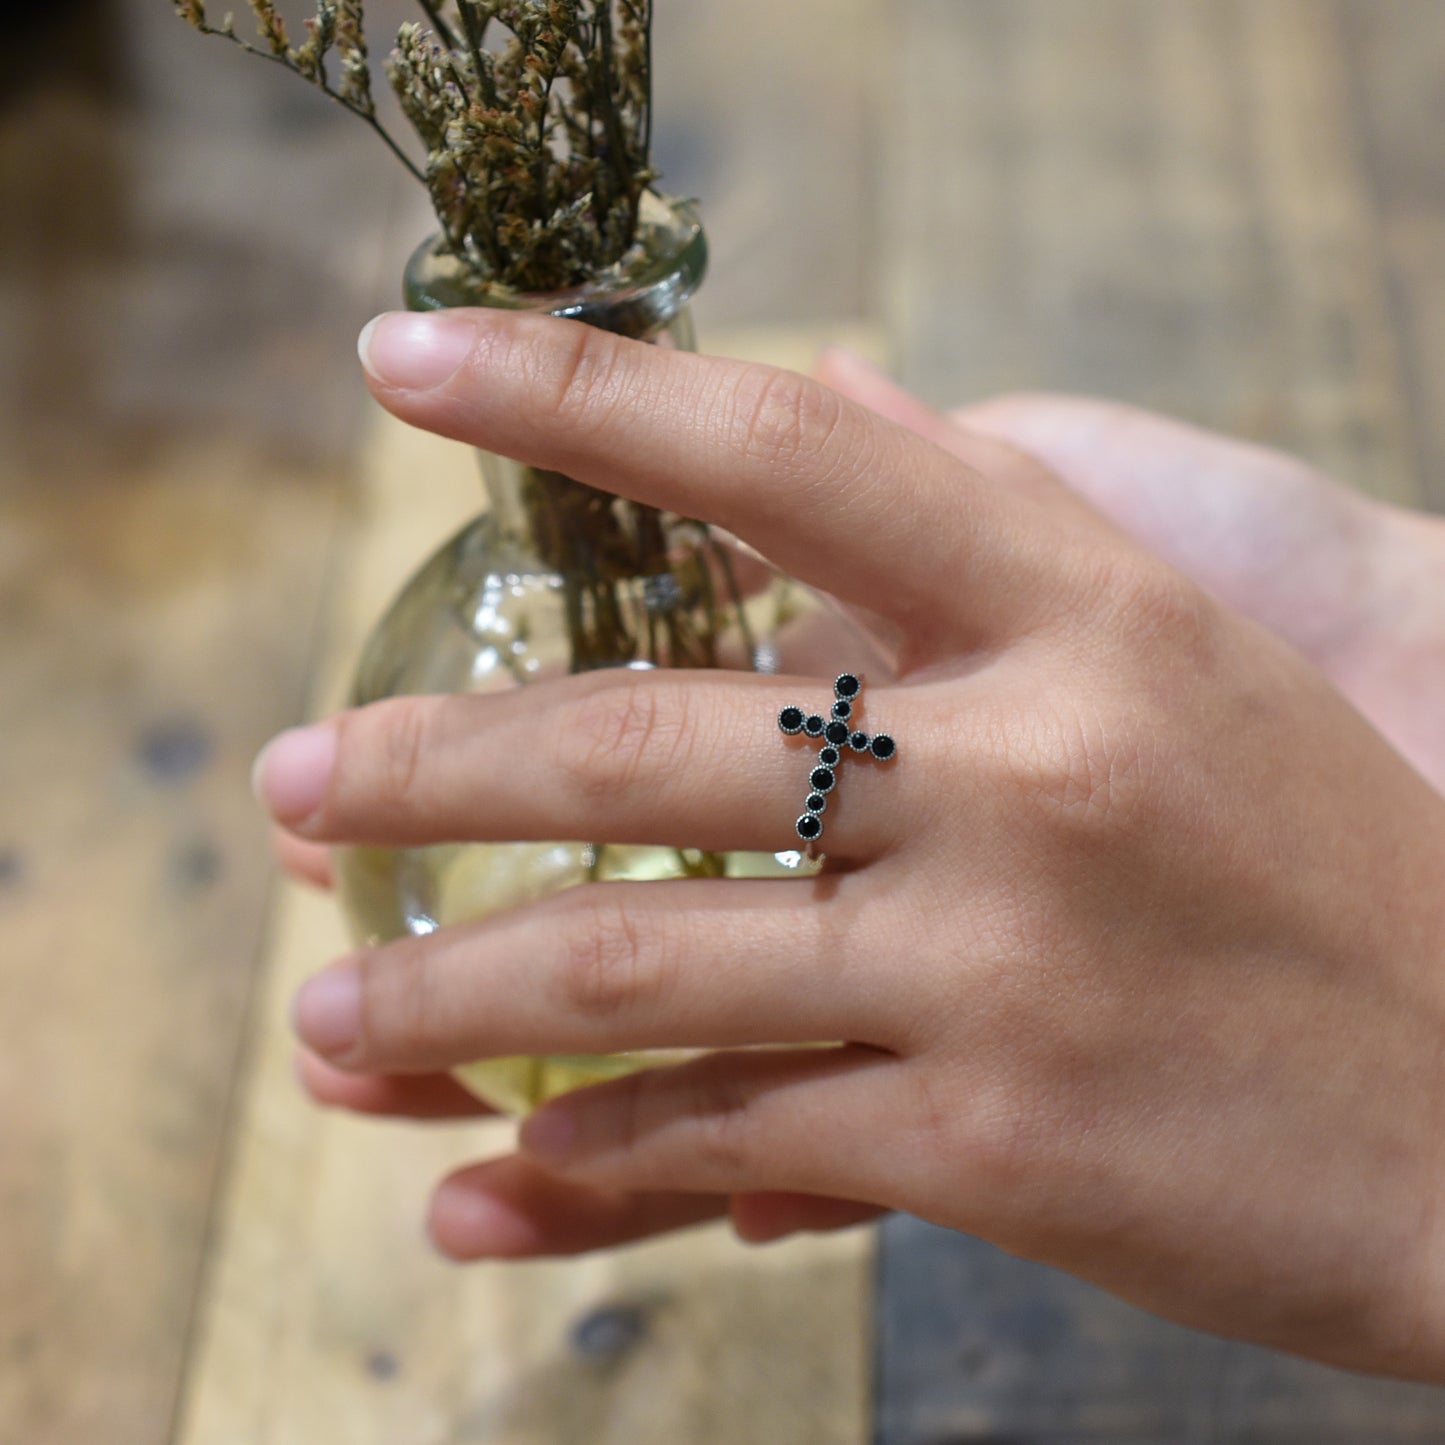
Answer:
(1163, 613)
(616, 735)
(1007, 1132)
(581, 393)
(607, 965)
(784, 419)
(395, 738)
(1005, 1142)
(934, 1114)
(396, 1002)
(722, 1119)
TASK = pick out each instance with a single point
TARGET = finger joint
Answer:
(608, 966)
(785, 420)
(616, 737)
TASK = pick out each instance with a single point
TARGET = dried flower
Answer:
(535, 116)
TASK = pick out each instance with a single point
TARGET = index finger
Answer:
(832, 493)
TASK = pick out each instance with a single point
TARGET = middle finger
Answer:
(675, 759)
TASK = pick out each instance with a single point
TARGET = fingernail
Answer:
(549, 1133)
(293, 770)
(467, 1224)
(415, 350)
(327, 1010)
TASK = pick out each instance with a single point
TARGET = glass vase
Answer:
(554, 578)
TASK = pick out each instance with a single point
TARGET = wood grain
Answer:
(1163, 201)
(1393, 50)
(170, 512)
(1232, 210)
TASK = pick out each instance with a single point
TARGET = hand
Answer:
(1347, 581)
(1137, 949)
(1350, 583)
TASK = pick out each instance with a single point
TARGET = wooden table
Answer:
(1232, 209)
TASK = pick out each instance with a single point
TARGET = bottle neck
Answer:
(644, 297)
(512, 488)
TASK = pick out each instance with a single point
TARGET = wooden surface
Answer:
(1234, 209)
(173, 463)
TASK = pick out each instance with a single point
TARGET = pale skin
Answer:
(1139, 947)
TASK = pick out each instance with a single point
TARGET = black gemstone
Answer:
(836, 733)
(791, 720)
(847, 685)
(813, 726)
(816, 803)
(883, 747)
(859, 742)
(829, 757)
(822, 780)
(810, 826)
(843, 709)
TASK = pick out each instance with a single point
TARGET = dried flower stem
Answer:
(538, 148)
(364, 110)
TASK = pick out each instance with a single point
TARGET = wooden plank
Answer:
(976, 1345)
(1157, 200)
(176, 433)
(1165, 201)
(169, 516)
(765, 111)
(327, 1317)
(1394, 48)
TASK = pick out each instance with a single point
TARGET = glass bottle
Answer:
(556, 577)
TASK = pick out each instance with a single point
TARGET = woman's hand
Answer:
(1350, 583)
(1137, 948)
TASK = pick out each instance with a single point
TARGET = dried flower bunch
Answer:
(536, 117)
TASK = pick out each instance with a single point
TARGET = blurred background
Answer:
(1230, 209)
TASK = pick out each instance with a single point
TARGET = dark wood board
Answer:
(975, 1345)
(1233, 210)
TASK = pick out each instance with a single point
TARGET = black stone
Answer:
(814, 726)
(829, 757)
(859, 742)
(791, 720)
(810, 827)
(382, 1365)
(836, 733)
(843, 709)
(847, 685)
(610, 1331)
(816, 803)
(175, 750)
(883, 747)
(822, 780)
